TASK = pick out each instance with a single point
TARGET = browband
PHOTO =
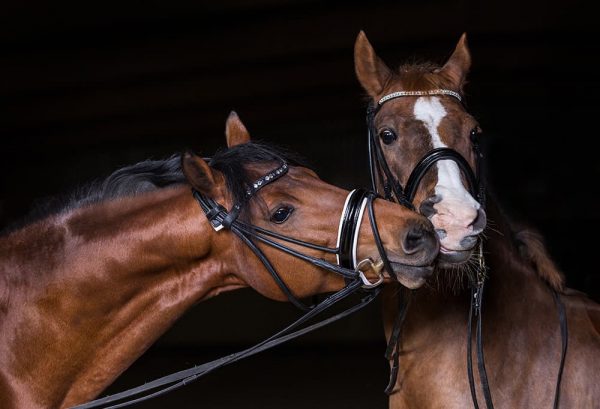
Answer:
(398, 94)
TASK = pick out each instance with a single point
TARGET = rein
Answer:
(354, 273)
(381, 174)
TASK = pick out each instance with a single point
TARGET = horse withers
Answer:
(418, 109)
(86, 290)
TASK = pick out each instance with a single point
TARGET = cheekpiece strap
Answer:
(215, 213)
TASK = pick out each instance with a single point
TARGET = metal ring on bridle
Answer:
(366, 265)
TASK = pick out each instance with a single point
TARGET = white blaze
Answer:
(457, 204)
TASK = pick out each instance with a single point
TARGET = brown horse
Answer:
(87, 290)
(521, 333)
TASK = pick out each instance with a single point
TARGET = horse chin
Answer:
(411, 277)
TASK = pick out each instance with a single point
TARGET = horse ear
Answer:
(198, 173)
(371, 71)
(457, 66)
(235, 131)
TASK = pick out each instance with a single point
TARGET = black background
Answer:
(89, 87)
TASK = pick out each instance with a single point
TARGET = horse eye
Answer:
(388, 136)
(282, 214)
(475, 134)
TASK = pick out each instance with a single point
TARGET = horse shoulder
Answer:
(580, 386)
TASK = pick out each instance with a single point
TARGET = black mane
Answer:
(151, 175)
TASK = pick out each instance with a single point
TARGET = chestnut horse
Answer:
(85, 291)
(420, 109)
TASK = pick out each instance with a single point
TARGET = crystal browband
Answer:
(268, 178)
(420, 93)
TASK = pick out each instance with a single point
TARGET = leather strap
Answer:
(349, 227)
(564, 335)
(392, 352)
(179, 379)
(430, 159)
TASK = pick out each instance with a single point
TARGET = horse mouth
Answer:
(448, 258)
(411, 277)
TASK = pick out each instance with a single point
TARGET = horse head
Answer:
(428, 116)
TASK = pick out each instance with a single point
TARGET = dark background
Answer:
(89, 87)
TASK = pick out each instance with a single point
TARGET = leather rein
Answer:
(357, 202)
(381, 175)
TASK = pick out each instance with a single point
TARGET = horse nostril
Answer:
(468, 242)
(416, 239)
(476, 227)
(426, 207)
(479, 223)
(441, 233)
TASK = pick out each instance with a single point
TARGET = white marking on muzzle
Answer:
(456, 201)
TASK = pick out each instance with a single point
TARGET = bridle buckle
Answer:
(216, 226)
(366, 265)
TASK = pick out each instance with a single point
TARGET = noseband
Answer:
(381, 174)
(347, 266)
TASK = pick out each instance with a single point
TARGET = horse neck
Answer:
(89, 291)
(512, 284)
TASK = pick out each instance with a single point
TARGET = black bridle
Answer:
(381, 175)
(348, 267)
(380, 171)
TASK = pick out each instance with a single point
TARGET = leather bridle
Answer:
(381, 175)
(347, 241)
(347, 266)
